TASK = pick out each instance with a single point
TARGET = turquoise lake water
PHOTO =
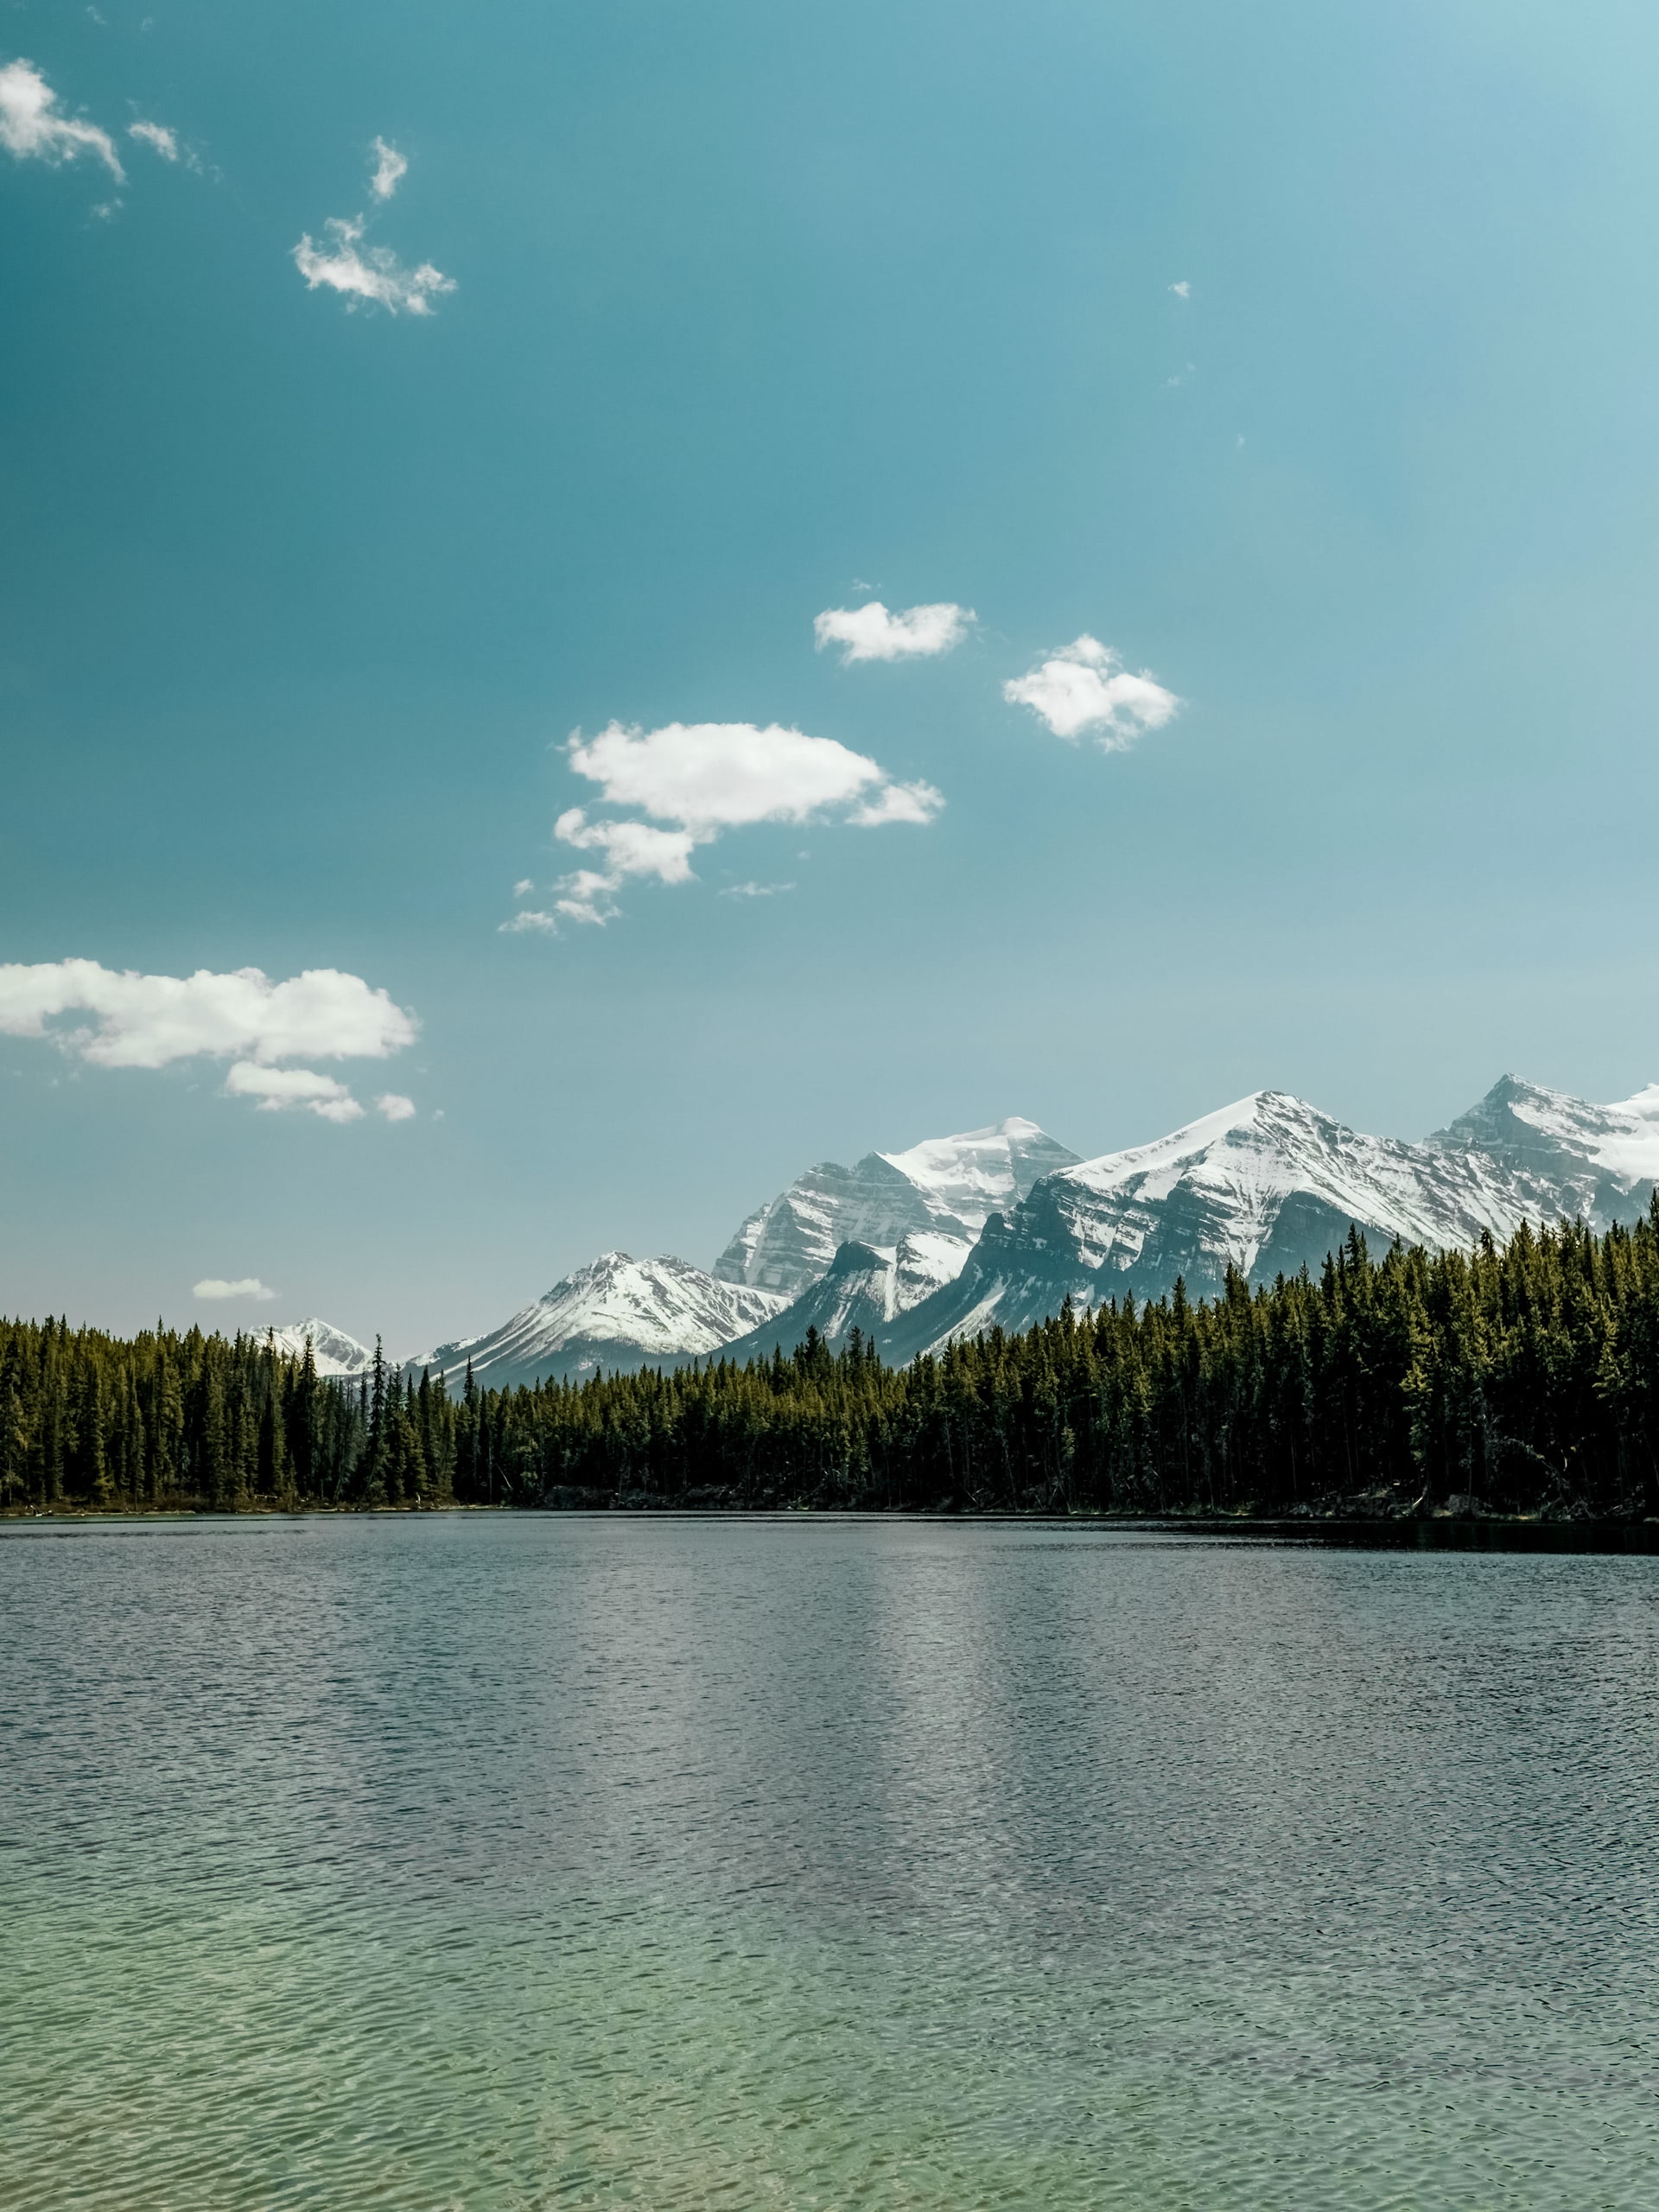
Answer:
(489, 1862)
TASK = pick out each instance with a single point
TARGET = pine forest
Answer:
(1516, 1380)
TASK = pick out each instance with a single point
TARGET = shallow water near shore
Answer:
(505, 1863)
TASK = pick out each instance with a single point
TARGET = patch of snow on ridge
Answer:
(925, 1262)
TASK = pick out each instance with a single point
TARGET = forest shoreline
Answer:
(1436, 1531)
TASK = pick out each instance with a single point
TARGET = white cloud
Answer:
(916, 803)
(345, 264)
(246, 1286)
(630, 848)
(1085, 687)
(871, 633)
(33, 128)
(756, 890)
(523, 888)
(157, 135)
(150, 1021)
(277, 1088)
(1183, 290)
(395, 1106)
(146, 1022)
(589, 896)
(391, 169)
(705, 778)
(714, 776)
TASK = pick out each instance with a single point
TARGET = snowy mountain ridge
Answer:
(1597, 1155)
(998, 1226)
(1269, 1185)
(617, 1312)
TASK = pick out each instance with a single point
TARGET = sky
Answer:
(602, 602)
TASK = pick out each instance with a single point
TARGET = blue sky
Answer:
(738, 315)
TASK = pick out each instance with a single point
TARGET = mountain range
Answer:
(997, 1227)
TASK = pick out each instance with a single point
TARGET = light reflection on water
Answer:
(489, 1863)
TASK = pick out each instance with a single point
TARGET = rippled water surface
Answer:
(499, 1863)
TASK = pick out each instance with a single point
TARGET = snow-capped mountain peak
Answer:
(1238, 1165)
(333, 1351)
(945, 1185)
(1599, 1155)
(1267, 1184)
(616, 1312)
(970, 1176)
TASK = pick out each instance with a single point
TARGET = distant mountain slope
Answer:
(1267, 1184)
(332, 1351)
(947, 1186)
(867, 1287)
(616, 1312)
(1602, 1161)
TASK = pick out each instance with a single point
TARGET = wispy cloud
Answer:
(531, 922)
(151, 1021)
(391, 169)
(870, 632)
(395, 1106)
(1183, 289)
(756, 890)
(244, 1287)
(523, 888)
(277, 1088)
(34, 128)
(703, 779)
(374, 273)
(1085, 686)
(155, 134)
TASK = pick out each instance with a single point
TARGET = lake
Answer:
(502, 1862)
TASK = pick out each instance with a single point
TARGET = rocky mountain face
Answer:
(617, 1313)
(946, 1185)
(865, 1287)
(332, 1351)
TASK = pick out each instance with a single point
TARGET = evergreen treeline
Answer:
(1524, 1379)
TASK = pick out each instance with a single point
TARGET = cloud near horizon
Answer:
(245, 1287)
(33, 128)
(704, 778)
(151, 1021)
(1085, 686)
(870, 632)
